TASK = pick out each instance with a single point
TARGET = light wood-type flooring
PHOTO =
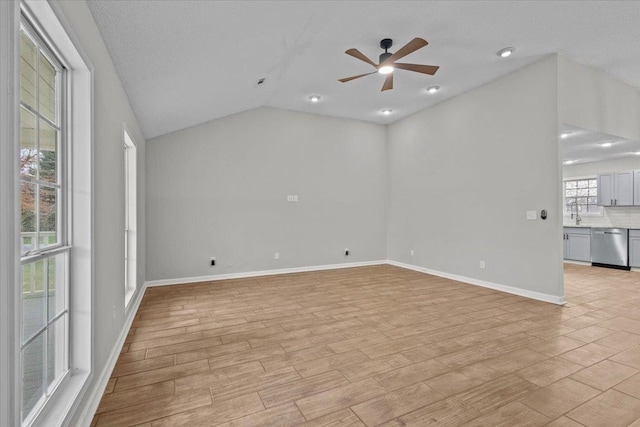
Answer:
(380, 345)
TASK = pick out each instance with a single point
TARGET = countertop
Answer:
(588, 226)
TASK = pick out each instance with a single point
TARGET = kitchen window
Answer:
(581, 195)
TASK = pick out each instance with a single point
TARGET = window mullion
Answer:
(40, 116)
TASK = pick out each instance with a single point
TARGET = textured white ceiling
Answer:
(584, 146)
(188, 62)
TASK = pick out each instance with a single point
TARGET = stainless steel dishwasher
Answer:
(610, 247)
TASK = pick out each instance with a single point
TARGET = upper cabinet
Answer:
(616, 189)
(636, 187)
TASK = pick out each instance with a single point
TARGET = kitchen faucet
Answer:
(578, 218)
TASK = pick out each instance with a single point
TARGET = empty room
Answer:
(319, 213)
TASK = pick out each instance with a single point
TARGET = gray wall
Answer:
(111, 111)
(219, 189)
(463, 174)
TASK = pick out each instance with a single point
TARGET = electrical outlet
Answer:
(412, 252)
(213, 261)
(482, 265)
(276, 255)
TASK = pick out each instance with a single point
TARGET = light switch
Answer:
(289, 198)
(295, 197)
(531, 215)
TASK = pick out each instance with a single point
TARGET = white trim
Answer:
(9, 217)
(100, 381)
(186, 280)
(130, 173)
(498, 287)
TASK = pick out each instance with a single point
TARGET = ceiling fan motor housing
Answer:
(384, 56)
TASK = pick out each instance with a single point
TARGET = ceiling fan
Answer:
(387, 62)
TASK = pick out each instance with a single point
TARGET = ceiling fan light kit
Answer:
(387, 61)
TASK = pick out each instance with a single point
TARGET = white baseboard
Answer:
(185, 280)
(498, 287)
(101, 380)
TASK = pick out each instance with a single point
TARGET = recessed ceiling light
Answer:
(433, 89)
(506, 52)
(387, 69)
(637, 153)
(564, 135)
(569, 162)
(314, 98)
(606, 145)
(387, 111)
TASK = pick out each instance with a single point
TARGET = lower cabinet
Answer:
(634, 248)
(577, 244)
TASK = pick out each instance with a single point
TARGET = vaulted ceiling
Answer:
(188, 62)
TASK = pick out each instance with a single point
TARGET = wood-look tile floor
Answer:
(380, 345)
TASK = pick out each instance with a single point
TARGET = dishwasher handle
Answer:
(617, 233)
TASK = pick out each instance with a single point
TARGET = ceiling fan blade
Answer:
(357, 54)
(424, 69)
(388, 83)
(408, 48)
(346, 79)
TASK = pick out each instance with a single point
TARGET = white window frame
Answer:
(50, 253)
(52, 26)
(564, 196)
(130, 216)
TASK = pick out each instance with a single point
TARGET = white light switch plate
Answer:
(531, 215)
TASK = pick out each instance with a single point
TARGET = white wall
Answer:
(463, 174)
(625, 217)
(219, 189)
(112, 111)
(591, 99)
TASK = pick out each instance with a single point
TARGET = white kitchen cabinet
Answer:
(616, 189)
(634, 248)
(636, 188)
(577, 244)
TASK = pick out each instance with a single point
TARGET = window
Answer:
(581, 195)
(44, 246)
(130, 217)
(47, 217)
